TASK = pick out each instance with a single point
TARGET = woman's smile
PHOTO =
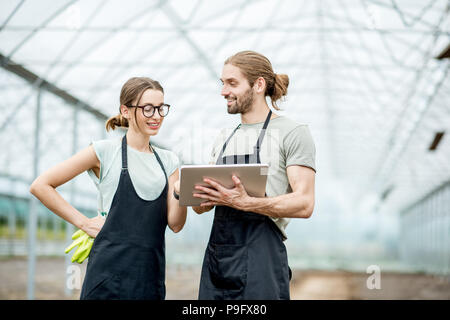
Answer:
(153, 125)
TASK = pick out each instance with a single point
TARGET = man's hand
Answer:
(219, 195)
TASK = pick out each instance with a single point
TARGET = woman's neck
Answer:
(138, 141)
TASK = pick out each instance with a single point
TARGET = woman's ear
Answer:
(124, 111)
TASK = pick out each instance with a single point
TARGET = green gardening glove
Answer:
(84, 243)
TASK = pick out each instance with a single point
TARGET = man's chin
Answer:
(232, 109)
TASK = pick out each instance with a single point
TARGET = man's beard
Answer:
(243, 104)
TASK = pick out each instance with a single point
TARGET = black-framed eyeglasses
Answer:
(149, 110)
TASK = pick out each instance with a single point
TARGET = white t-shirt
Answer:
(145, 172)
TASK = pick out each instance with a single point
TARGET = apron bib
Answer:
(127, 260)
(245, 257)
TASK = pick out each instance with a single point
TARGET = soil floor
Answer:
(182, 283)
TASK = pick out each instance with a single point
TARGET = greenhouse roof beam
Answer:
(37, 81)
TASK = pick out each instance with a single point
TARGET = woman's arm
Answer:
(200, 210)
(44, 188)
(176, 215)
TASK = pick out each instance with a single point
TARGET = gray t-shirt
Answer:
(285, 143)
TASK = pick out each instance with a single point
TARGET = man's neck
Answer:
(257, 113)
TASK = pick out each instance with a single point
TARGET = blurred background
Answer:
(369, 77)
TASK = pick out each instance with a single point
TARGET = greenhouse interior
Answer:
(368, 78)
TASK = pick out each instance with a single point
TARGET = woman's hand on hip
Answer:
(93, 226)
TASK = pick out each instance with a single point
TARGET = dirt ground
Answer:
(182, 283)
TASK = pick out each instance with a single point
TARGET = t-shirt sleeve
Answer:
(299, 148)
(103, 151)
(173, 162)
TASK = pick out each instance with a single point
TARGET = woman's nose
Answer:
(156, 115)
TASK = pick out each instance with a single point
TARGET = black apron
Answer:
(127, 260)
(245, 257)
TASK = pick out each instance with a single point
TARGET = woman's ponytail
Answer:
(116, 121)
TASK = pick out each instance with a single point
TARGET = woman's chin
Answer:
(152, 132)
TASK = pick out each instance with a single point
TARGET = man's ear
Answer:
(260, 85)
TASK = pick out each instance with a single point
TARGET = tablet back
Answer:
(253, 177)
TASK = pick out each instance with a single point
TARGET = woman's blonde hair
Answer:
(254, 65)
(131, 92)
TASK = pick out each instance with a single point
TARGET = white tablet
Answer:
(253, 177)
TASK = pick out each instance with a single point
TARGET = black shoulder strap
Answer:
(124, 153)
(159, 161)
(125, 160)
(226, 142)
(263, 131)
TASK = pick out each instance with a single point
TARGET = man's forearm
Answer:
(291, 205)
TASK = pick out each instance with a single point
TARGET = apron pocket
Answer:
(105, 288)
(228, 266)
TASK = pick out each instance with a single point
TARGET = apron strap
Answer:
(124, 153)
(160, 162)
(261, 136)
(258, 143)
(125, 159)
(226, 142)
(263, 131)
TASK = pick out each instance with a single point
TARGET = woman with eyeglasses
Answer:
(138, 186)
